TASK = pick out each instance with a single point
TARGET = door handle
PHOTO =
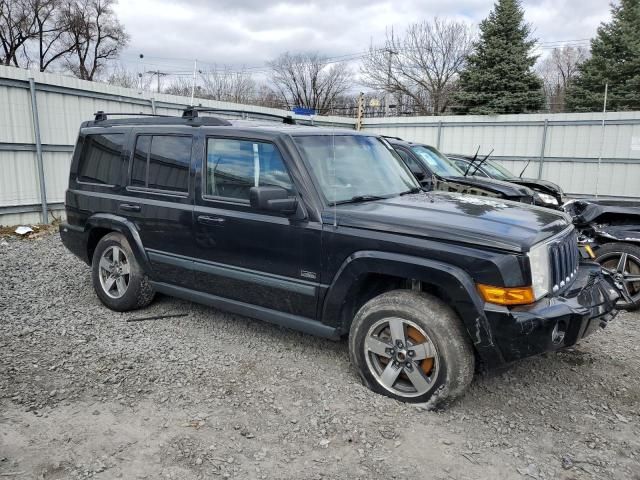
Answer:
(130, 208)
(206, 220)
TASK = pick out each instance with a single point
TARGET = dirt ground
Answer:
(86, 394)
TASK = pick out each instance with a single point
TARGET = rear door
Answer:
(259, 258)
(159, 199)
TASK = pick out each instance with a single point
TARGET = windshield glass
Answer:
(437, 162)
(350, 166)
(495, 170)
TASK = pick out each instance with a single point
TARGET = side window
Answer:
(410, 162)
(462, 165)
(101, 160)
(161, 162)
(234, 166)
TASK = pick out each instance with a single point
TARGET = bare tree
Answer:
(423, 64)
(95, 35)
(265, 96)
(227, 85)
(17, 27)
(51, 27)
(308, 80)
(557, 71)
(181, 86)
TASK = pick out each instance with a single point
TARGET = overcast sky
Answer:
(250, 32)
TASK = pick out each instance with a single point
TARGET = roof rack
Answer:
(192, 112)
(101, 116)
(102, 120)
(393, 138)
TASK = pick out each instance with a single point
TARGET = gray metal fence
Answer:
(564, 148)
(40, 114)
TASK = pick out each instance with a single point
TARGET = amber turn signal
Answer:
(506, 295)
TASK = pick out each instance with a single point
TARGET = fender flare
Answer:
(454, 282)
(125, 227)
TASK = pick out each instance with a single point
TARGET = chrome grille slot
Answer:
(564, 258)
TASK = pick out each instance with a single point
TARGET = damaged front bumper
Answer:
(555, 322)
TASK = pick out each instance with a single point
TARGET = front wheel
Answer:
(412, 347)
(622, 261)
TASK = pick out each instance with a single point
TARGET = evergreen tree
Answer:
(499, 77)
(615, 59)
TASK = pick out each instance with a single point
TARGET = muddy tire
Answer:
(622, 260)
(412, 347)
(118, 279)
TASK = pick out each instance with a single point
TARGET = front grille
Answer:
(564, 257)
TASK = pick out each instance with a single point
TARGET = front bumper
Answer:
(556, 322)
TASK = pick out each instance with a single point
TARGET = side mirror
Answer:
(272, 199)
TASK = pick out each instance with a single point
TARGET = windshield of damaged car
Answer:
(351, 168)
(436, 161)
(495, 170)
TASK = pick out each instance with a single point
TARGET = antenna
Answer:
(473, 160)
(525, 167)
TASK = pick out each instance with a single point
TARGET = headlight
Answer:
(540, 270)
(546, 198)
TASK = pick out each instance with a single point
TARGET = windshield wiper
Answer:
(413, 190)
(358, 199)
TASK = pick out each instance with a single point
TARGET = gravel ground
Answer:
(85, 394)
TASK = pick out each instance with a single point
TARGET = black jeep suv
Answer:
(328, 232)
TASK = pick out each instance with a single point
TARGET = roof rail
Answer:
(192, 112)
(101, 116)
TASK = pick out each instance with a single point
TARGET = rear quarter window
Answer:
(101, 160)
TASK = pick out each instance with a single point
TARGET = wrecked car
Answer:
(547, 194)
(435, 171)
(612, 229)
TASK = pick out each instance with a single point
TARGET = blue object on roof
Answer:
(303, 111)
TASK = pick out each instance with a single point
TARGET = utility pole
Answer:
(360, 111)
(158, 73)
(604, 115)
(193, 85)
(390, 51)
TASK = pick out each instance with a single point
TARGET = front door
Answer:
(258, 258)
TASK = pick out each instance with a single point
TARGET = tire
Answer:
(442, 364)
(133, 291)
(626, 273)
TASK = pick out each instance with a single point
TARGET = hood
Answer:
(585, 211)
(506, 189)
(543, 185)
(488, 222)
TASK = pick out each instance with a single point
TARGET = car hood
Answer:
(532, 183)
(506, 189)
(470, 219)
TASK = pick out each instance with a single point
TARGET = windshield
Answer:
(436, 161)
(347, 167)
(495, 170)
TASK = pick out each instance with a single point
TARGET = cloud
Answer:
(171, 33)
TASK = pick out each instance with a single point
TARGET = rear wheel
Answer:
(118, 280)
(411, 346)
(622, 261)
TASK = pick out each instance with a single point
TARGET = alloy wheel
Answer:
(625, 269)
(114, 272)
(401, 357)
